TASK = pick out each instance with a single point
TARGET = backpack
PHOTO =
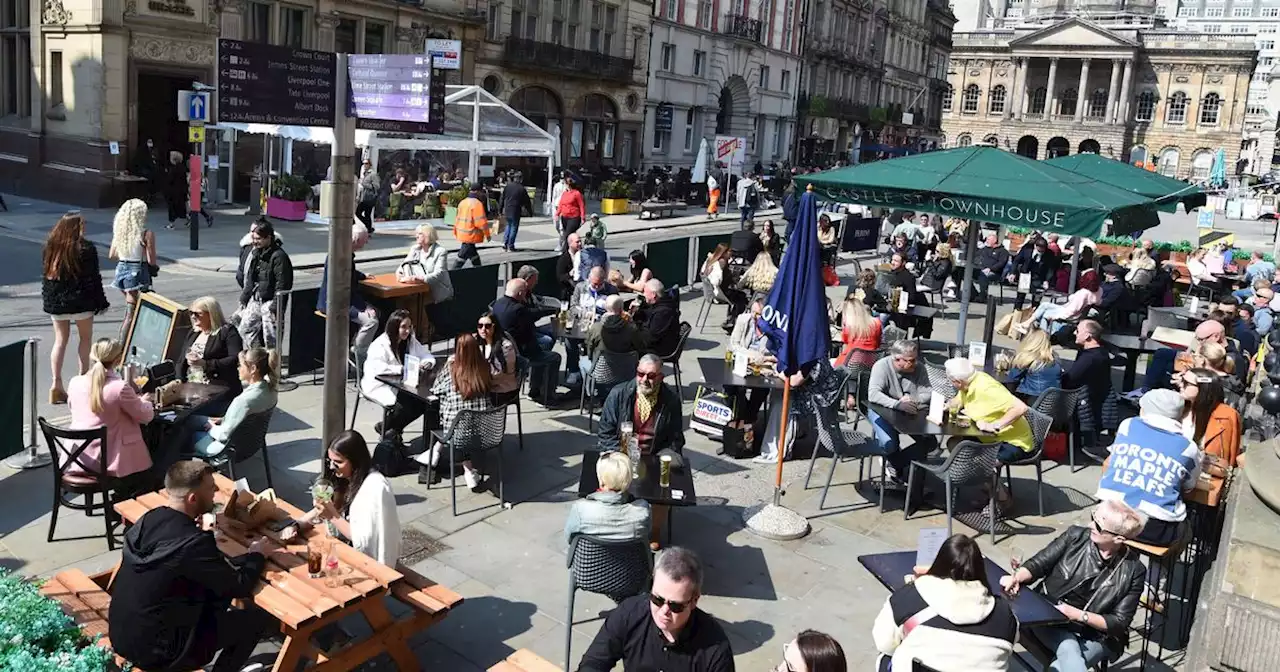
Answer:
(752, 196)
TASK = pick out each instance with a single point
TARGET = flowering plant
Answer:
(36, 636)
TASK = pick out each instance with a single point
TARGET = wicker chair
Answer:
(473, 432)
(615, 569)
(608, 370)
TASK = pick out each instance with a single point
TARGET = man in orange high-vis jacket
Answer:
(471, 227)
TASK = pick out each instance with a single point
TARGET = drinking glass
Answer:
(322, 491)
(1015, 557)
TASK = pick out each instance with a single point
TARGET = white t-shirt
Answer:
(375, 525)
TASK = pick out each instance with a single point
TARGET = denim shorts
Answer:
(1010, 453)
(132, 276)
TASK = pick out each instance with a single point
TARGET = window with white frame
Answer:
(1264, 45)
(1176, 113)
(1145, 110)
(788, 18)
(996, 104)
(690, 126)
(1266, 30)
(699, 62)
(669, 10)
(1240, 29)
(1212, 28)
(970, 101)
(1241, 12)
(493, 26)
(784, 84)
(1212, 12)
(965, 140)
(257, 22)
(668, 57)
(610, 29)
(1209, 109)
(947, 95)
(1169, 162)
(764, 77)
(1039, 97)
(1186, 12)
(293, 28)
(661, 139)
(704, 14)
(1270, 12)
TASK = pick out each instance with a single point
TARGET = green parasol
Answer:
(1165, 191)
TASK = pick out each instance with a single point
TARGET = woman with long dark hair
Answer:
(500, 351)
(387, 357)
(71, 290)
(1209, 420)
(812, 651)
(640, 272)
(363, 507)
(465, 383)
(947, 618)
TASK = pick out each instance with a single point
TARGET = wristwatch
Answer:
(1084, 617)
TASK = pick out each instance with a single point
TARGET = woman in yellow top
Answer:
(994, 410)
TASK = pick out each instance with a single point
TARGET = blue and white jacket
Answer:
(1151, 465)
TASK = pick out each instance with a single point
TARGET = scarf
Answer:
(645, 404)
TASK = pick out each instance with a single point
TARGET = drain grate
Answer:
(416, 546)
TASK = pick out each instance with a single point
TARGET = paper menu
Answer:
(929, 543)
(412, 366)
(1024, 283)
(242, 485)
(937, 407)
(741, 358)
(904, 301)
(978, 354)
(1195, 305)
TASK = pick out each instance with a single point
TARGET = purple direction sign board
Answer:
(266, 84)
(397, 93)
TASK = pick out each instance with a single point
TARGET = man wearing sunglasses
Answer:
(651, 407)
(664, 630)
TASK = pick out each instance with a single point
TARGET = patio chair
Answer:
(615, 569)
(1062, 407)
(1039, 430)
(608, 370)
(674, 358)
(355, 408)
(969, 462)
(67, 447)
(522, 377)
(827, 414)
(845, 443)
(472, 432)
(708, 300)
(938, 380)
(248, 438)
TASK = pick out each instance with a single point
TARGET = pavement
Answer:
(509, 564)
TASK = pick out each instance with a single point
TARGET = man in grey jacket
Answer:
(899, 383)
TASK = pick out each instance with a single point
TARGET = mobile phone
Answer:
(280, 525)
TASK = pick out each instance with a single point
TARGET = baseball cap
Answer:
(1162, 403)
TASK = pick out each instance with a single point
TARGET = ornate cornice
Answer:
(170, 50)
(54, 14)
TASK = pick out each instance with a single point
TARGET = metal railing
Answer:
(31, 458)
(532, 54)
(747, 28)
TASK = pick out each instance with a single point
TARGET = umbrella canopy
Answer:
(990, 185)
(795, 312)
(1165, 191)
(700, 165)
(1218, 173)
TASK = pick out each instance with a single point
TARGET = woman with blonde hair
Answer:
(71, 291)
(133, 247)
(1214, 357)
(939, 268)
(611, 512)
(859, 331)
(259, 371)
(1035, 366)
(1142, 268)
(210, 352)
(101, 398)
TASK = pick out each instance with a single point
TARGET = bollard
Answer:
(32, 458)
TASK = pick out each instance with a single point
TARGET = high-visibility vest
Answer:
(471, 226)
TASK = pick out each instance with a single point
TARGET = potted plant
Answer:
(616, 195)
(40, 637)
(288, 200)
(451, 200)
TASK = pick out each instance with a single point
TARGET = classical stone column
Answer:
(1112, 90)
(1014, 109)
(325, 26)
(1051, 96)
(1126, 94)
(1082, 92)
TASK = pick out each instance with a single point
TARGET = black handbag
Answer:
(739, 441)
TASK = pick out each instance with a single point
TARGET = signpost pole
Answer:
(337, 337)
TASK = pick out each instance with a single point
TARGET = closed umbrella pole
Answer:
(970, 249)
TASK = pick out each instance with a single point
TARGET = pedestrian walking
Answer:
(571, 210)
(133, 247)
(713, 195)
(367, 194)
(266, 286)
(71, 291)
(515, 200)
(748, 197)
(175, 190)
(471, 227)
(557, 192)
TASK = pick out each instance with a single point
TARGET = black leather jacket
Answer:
(1071, 560)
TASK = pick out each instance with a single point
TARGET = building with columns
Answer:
(1120, 86)
(722, 68)
(78, 77)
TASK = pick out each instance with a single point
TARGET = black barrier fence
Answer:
(13, 390)
(707, 245)
(669, 261)
(548, 283)
(859, 234)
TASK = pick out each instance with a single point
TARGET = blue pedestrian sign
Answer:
(198, 107)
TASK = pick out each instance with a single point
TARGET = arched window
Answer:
(993, 140)
(1038, 98)
(1097, 104)
(996, 106)
(947, 95)
(1146, 110)
(1177, 112)
(964, 140)
(1169, 161)
(1067, 105)
(970, 99)
(1209, 109)
(1138, 155)
(540, 105)
(1201, 164)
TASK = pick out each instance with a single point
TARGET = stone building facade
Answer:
(1131, 91)
(576, 68)
(79, 75)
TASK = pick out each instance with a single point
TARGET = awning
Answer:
(1165, 191)
(988, 185)
(318, 134)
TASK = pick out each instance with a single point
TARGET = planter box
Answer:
(614, 206)
(291, 211)
(450, 214)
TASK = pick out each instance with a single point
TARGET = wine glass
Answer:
(1015, 557)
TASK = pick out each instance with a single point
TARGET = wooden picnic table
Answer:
(524, 660)
(303, 605)
(411, 296)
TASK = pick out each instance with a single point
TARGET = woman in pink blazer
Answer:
(100, 397)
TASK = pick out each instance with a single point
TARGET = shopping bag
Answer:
(829, 277)
(713, 410)
(739, 441)
(1055, 447)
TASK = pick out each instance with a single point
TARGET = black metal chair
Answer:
(845, 443)
(708, 300)
(355, 408)
(472, 432)
(247, 439)
(615, 569)
(68, 447)
(1039, 430)
(969, 462)
(1062, 407)
(522, 377)
(674, 358)
(608, 370)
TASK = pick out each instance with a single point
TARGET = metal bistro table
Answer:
(193, 396)
(916, 424)
(1030, 607)
(1184, 313)
(1133, 348)
(422, 393)
(718, 373)
(647, 486)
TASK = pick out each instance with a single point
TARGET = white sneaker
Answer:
(472, 477)
(429, 458)
(765, 459)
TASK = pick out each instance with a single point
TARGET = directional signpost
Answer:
(266, 84)
(396, 93)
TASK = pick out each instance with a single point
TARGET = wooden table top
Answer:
(287, 591)
(386, 286)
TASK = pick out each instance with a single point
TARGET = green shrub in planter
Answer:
(456, 195)
(36, 636)
(290, 188)
(617, 189)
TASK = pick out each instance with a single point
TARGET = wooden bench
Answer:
(85, 599)
(524, 660)
(660, 209)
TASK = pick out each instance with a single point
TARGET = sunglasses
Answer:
(484, 325)
(675, 607)
(1102, 530)
(648, 376)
